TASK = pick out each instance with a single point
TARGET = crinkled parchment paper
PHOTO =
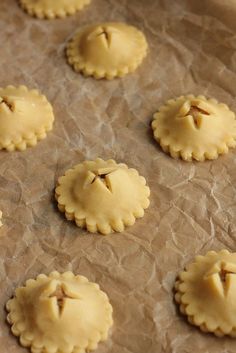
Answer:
(192, 50)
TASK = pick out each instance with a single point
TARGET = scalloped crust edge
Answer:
(103, 228)
(193, 319)
(27, 340)
(23, 143)
(87, 70)
(48, 14)
(189, 156)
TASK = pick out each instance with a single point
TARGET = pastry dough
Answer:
(25, 117)
(102, 195)
(0, 218)
(206, 292)
(195, 128)
(52, 8)
(60, 313)
(107, 50)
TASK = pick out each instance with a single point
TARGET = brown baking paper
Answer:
(192, 50)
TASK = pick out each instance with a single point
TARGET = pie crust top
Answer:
(195, 128)
(60, 313)
(51, 9)
(206, 292)
(107, 50)
(102, 195)
(25, 117)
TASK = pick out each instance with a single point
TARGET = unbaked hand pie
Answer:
(107, 50)
(25, 117)
(195, 128)
(52, 8)
(102, 196)
(60, 313)
(206, 292)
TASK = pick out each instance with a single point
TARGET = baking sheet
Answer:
(192, 50)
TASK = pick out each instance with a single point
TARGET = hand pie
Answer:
(102, 196)
(60, 313)
(25, 118)
(107, 50)
(195, 128)
(51, 9)
(206, 293)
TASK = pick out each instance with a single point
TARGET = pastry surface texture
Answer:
(197, 128)
(107, 50)
(51, 9)
(25, 118)
(60, 313)
(206, 293)
(102, 196)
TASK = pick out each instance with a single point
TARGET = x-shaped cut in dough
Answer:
(100, 174)
(7, 104)
(222, 278)
(61, 295)
(106, 32)
(195, 109)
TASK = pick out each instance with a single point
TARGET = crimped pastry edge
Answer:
(36, 136)
(48, 14)
(193, 319)
(103, 228)
(87, 70)
(182, 153)
(18, 328)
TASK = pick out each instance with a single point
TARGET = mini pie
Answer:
(102, 196)
(51, 9)
(107, 50)
(25, 117)
(195, 128)
(60, 313)
(206, 292)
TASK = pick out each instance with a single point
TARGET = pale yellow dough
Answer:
(51, 9)
(102, 196)
(206, 292)
(60, 313)
(107, 50)
(197, 128)
(25, 117)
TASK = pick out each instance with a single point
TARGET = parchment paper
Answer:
(192, 50)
